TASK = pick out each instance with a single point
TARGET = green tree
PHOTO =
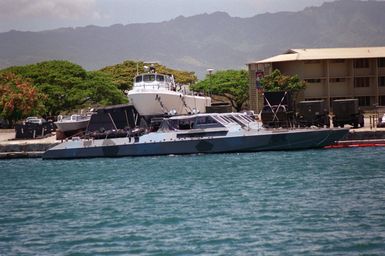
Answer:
(101, 90)
(231, 84)
(18, 98)
(55, 79)
(123, 74)
(278, 82)
(69, 87)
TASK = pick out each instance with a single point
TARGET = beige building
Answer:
(330, 73)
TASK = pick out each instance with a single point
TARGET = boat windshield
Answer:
(242, 120)
(193, 122)
(138, 79)
(149, 78)
(207, 122)
(160, 78)
(76, 117)
(182, 124)
(155, 80)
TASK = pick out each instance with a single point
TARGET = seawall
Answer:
(24, 150)
(11, 148)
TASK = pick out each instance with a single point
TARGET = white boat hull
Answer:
(66, 126)
(158, 102)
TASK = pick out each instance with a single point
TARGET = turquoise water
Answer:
(316, 202)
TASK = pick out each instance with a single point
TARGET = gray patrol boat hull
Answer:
(267, 140)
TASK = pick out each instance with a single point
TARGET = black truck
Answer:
(313, 113)
(346, 111)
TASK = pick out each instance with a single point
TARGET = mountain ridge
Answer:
(202, 41)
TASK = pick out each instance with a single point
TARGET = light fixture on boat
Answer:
(172, 112)
(195, 111)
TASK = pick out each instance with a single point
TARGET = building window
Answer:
(311, 99)
(337, 80)
(361, 82)
(337, 61)
(381, 81)
(363, 101)
(381, 62)
(337, 98)
(313, 81)
(312, 61)
(361, 63)
(382, 100)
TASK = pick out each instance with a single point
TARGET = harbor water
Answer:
(313, 202)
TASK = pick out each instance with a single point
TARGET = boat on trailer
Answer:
(73, 122)
(155, 94)
(199, 133)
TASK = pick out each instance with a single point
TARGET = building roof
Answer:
(327, 53)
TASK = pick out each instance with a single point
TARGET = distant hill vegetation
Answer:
(203, 41)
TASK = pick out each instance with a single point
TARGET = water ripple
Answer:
(312, 202)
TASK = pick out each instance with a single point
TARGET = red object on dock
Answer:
(358, 144)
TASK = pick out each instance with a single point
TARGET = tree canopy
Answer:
(55, 87)
(231, 84)
(278, 82)
(18, 98)
(123, 74)
(68, 86)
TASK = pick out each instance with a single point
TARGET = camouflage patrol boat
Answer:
(199, 133)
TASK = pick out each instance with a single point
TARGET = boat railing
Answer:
(153, 85)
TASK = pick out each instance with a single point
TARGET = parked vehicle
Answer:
(33, 127)
(346, 111)
(3, 123)
(313, 113)
(34, 120)
(381, 122)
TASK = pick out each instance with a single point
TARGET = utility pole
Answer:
(210, 71)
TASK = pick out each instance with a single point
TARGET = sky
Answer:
(37, 15)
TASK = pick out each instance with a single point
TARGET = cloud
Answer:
(61, 9)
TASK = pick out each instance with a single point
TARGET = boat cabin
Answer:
(154, 81)
(206, 121)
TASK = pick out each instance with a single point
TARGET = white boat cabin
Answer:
(154, 81)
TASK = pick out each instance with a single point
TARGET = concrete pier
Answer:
(11, 148)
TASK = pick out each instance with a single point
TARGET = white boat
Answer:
(155, 94)
(200, 133)
(72, 123)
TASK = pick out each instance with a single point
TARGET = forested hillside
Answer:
(204, 41)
